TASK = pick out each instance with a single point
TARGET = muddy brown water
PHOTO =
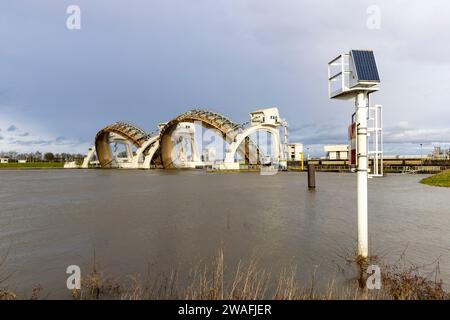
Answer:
(134, 221)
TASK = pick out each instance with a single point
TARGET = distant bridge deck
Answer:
(412, 165)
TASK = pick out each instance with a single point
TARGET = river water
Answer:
(132, 221)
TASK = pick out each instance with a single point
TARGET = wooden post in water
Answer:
(311, 176)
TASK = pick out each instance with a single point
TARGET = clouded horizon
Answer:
(148, 61)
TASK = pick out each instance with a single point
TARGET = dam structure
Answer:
(175, 144)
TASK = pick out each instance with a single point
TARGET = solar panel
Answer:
(366, 67)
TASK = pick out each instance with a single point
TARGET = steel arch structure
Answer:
(153, 147)
(129, 132)
(209, 119)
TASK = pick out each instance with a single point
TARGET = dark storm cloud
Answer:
(12, 128)
(32, 142)
(42, 142)
(147, 62)
(319, 134)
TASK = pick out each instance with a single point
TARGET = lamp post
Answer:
(361, 173)
(354, 75)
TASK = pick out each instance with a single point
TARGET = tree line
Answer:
(40, 156)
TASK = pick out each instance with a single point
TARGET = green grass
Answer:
(439, 180)
(31, 165)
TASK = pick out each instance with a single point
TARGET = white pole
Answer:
(381, 140)
(375, 165)
(286, 151)
(361, 141)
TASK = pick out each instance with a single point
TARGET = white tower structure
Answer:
(285, 158)
(185, 145)
(354, 75)
(124, 158)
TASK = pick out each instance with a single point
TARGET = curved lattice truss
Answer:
(209, 119)
(160, 146)
(129, 132)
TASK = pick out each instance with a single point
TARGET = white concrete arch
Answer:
(229, 157)
(88, 158)
(151, 152)
(140, 152)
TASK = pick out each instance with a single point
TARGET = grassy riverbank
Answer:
(32, 165)
(213, 280)
(439, 180)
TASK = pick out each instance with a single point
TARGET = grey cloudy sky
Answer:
(148, 61)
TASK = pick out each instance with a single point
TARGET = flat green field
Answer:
(31, 165)
(439, 180)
